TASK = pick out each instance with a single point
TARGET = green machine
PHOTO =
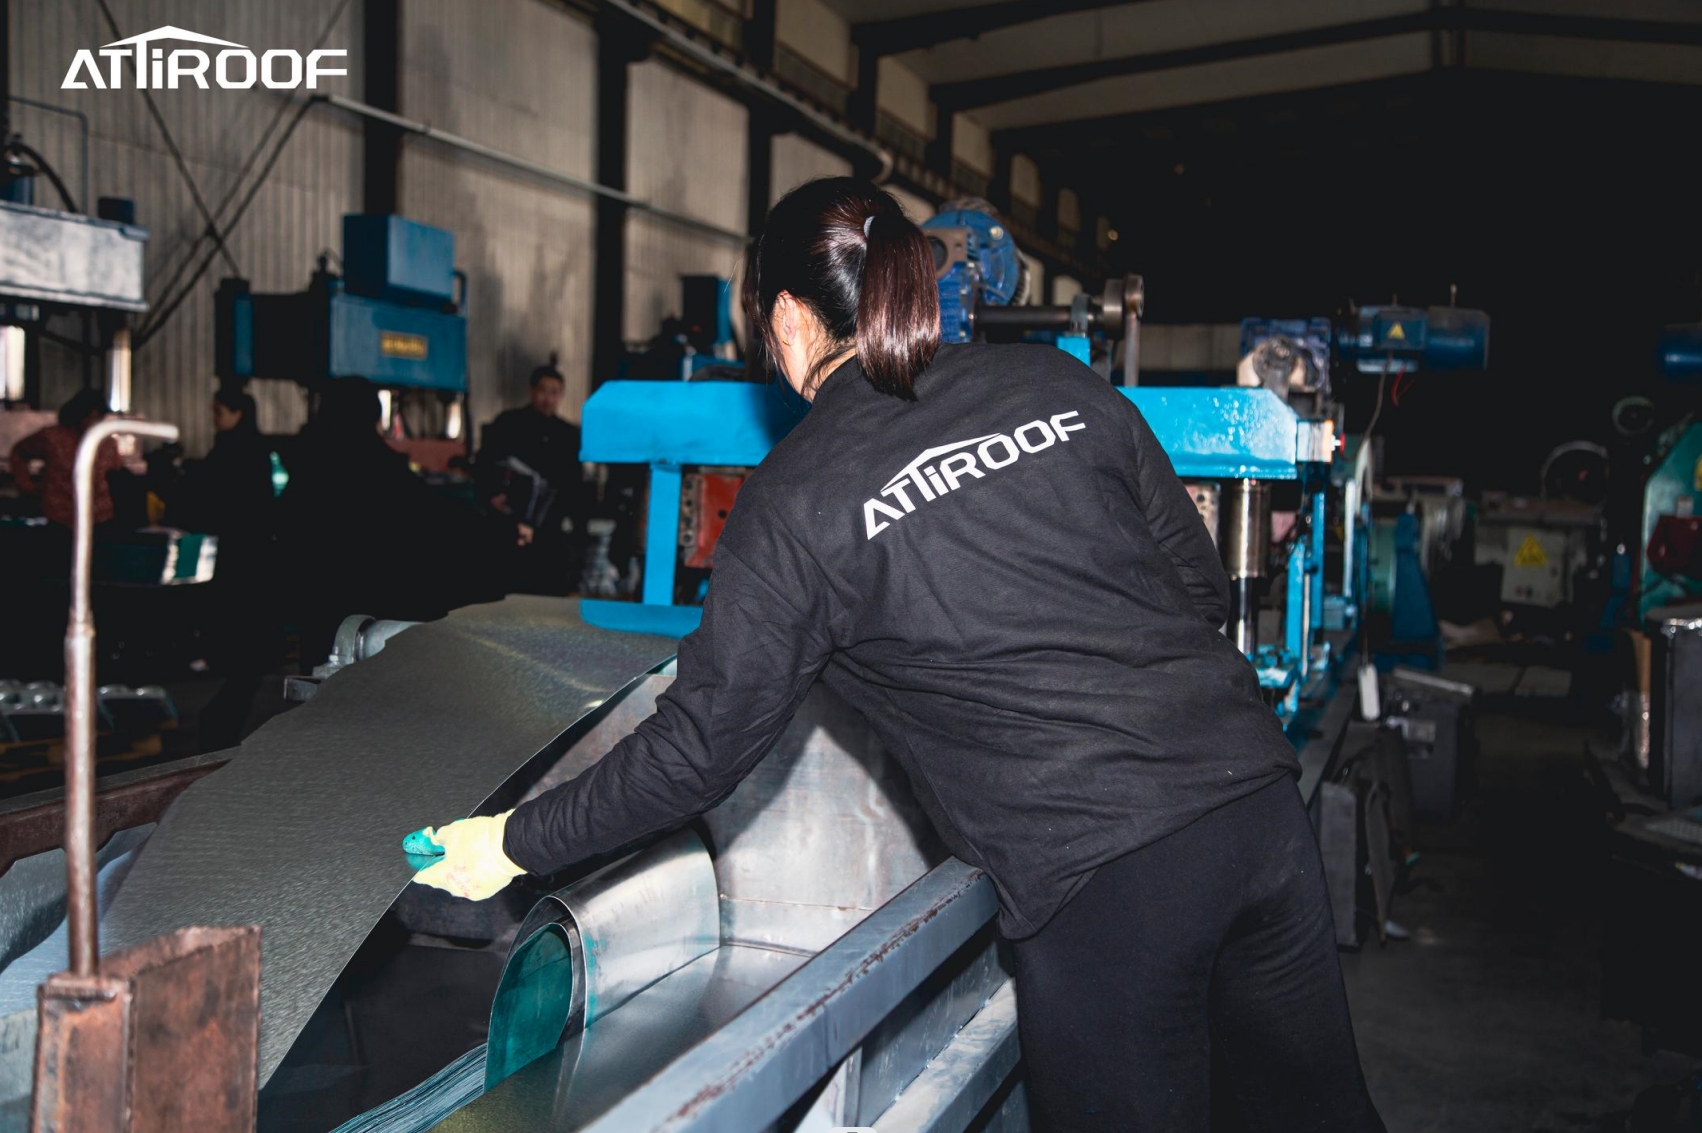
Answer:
(1671, 535)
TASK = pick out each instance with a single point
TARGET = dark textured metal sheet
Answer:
(300, 833)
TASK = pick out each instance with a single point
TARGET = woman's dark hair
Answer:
(846, 250)
(239, 401)
(77, 410)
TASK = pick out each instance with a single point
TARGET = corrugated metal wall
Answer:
(797, 160)
(293, 216)
(686, 153)
(519, 76)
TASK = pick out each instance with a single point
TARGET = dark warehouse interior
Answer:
(850, 566)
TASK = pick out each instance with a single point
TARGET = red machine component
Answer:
(706, 499)
(1675, 547)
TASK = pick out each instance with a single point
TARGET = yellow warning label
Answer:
(395, 344)
(1530, 554)
(1396, 332)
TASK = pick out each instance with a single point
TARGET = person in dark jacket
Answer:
(528, 471)
(987, 552)
(361, 534)
(229, 494)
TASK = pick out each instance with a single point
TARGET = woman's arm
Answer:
(742, 675)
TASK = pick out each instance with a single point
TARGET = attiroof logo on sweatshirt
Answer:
(944, 469)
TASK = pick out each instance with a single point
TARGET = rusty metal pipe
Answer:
(81, 914)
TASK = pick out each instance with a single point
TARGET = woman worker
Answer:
(985, 550)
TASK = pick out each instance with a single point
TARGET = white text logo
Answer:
(942, 470)
(235, 68)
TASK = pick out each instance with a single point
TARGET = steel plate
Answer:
(300, 833)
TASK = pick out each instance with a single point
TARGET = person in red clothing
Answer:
(55, 449)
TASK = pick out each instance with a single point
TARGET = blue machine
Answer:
(1403, 340)
(976, 263)
(393, 317)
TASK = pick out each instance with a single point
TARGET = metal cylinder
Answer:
(1245, 508)
(80, 911)
(1245, 544)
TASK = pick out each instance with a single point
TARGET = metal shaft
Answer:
(81, 914)
(1245, 507)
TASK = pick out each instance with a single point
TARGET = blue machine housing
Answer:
(980, 265)
(392, 318)
(668, 425)
(1403, 340)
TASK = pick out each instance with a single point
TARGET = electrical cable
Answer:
(1378, 411)
(16, 145)
(247, 165)
(166, 312)
(176, 154)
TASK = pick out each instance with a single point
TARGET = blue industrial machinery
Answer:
(977, 264)
(394, 317)
(1403, 340)
(668, 426)
(983, 283)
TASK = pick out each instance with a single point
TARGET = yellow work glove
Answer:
(473, 864)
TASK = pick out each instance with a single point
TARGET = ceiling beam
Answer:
(971, 93)
(911, 33)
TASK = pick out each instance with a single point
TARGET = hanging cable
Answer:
(16, 145)
(247, 165)
(176, 154)
(170, 309)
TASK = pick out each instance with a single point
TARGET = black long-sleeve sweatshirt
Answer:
(1008, 580)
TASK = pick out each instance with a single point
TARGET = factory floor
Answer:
(1488, 1018)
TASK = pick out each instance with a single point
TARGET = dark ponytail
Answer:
(845, 249)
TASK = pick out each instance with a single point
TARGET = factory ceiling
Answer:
(1022, 67)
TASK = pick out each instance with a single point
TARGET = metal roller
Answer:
(1245, 544)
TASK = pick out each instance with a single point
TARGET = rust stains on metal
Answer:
(165, 1037)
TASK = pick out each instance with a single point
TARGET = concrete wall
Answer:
(519, 76)
(818, 34)
(972, 144)
(797, 160)
(687, 153)
(903, 94)
(295, 213)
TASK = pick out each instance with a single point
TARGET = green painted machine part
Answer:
(1674, 487)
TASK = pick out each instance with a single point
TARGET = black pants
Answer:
(1211, 950)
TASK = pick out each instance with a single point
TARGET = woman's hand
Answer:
(472, 864)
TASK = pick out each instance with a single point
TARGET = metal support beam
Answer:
(999, 191)
(940, 149)
(617, 50)
(381, 141)
(971, 93)
(759, 37)
(908, 33)
(759, 169)
(864, 107)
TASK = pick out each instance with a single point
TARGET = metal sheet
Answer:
(609, 936)
(300, 832)
(594, 1070)
(948, 1094)
(821, 833)
(746, 1074)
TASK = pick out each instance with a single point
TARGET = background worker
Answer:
(55, 450)
(986, 551)
(230, 494)
(528, 471)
